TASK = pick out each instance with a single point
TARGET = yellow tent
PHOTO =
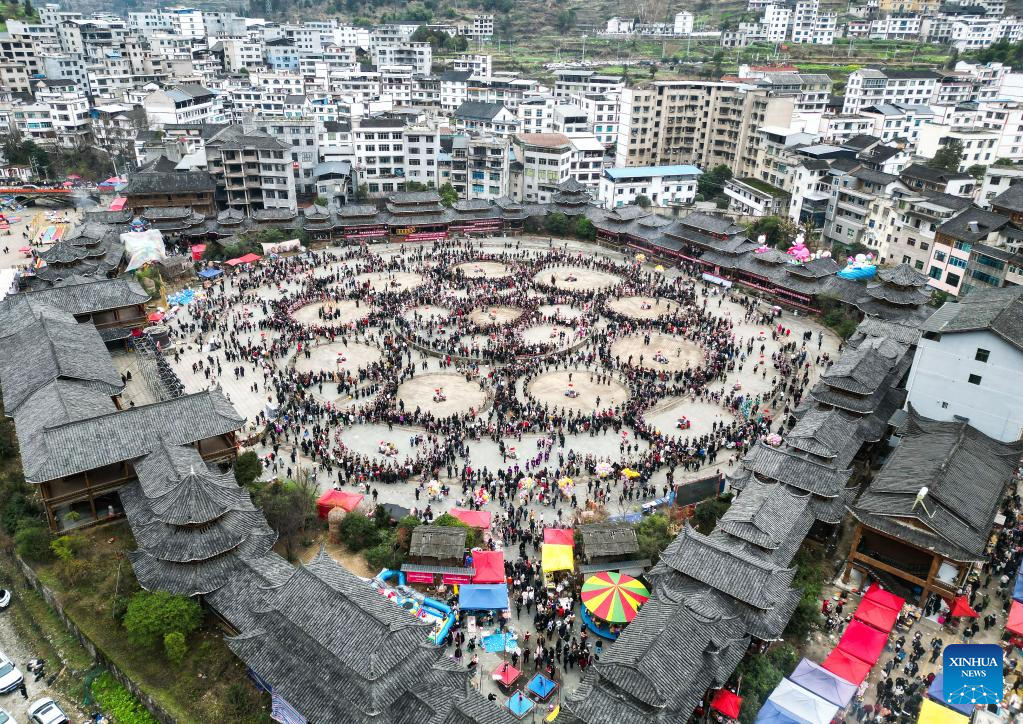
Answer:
(630, 473)
(934, 713)
(554, 557)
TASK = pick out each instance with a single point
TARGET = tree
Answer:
(565, 20)
(653, 536)
(708, 512)
(584, 229)
(33, 544)
(977, 170)
(175, 647)
(472, 535)
(247, 468)
(448, 195)
(151, 615)
(357, 532)
(810, 576)
(643, 201)
(712, 183)
(556, 223)
(948, 157)
(288, 505)
(777, 230)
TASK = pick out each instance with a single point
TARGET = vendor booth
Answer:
(862, 641)
(932, 712)
(846, 666)
(823, 683)
(876, 614)
(802, 705)
(936, 692)
(489, 566)
(483, 597)
(337, 499)
(473, 518)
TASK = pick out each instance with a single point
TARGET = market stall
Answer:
(802, 705)
(824, 683)
(489, 566)
(483, 597)
(337, 499)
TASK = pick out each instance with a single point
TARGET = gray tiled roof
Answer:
(767, 515)
(86, 297)
(604, 540)
(997, 310)
(91, 443)
(965, 473)
(53, 346)
(436, 541)
(168, 182)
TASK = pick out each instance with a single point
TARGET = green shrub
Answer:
(357, 532)
(386, 553)
(175, 647)
(33, 544)
(121, 704)
(247, 468)
(151, 616)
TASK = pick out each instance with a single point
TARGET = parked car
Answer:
(6, 718)
(10, 676)
(47, 711)
(5, 601)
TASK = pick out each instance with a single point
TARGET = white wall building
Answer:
(661, 185)
(968, 363)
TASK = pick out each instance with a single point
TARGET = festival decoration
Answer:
(614, 597)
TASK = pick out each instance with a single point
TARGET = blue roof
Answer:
(618, 174)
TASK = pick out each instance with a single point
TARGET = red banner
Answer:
(418, 577)
(455, 578)
(366, 235)
(427, 236)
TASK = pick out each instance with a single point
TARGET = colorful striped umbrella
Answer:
(613, 596)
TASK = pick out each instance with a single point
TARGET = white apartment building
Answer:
(181, 104)
(684, 23)
(775, 22)
(587, 158)
(422, 148)
(417, 55)
(546, 161)
(479, 66)
(574, 81)
(897, 27)
(380, 154)
(996, 180)
(661, 185)
(979, 145)
(867, 87)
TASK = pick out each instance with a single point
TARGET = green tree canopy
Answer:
(152, 615)
(948, 157)
(247, 468)
(778, 230)
(653, 536)
(712, 182)
(289, 507)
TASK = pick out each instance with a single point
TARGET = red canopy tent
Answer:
(234, 262)
(846, 666)
(727, 703)
(1015, 622)
(878, 595)
(155, 317)
(878, 616)
(489, 566)
(337, 499)
(505, 674)
(249, 258)
(862, 641)
(960, 608)
(559, 536)
(473, 518)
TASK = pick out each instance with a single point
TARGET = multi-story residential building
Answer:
(868, 87)
(69, 111)
(252, 169)
(753, 197)
(380, 154)
(776, 22)
(662, 185)
(587, 158)
(181, 104)
(479, 66)
(417, 55)
(481, 166)
(918, 217)
(602, 116)
(701, 123)
(507, 90)
(422, 146)
(862, 208)
(115, 127)
(810, 25)
(997, 179)
(574, 81)
(979, 145)
(953, 242)
(21, 51)
(542, 161)
(480, 117)
(454, 88)
(893, 121)
(895, 27)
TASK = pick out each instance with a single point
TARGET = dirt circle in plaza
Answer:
(483, 269)
(551, 388)
(555, 336)
(666, 415)
(576, 279)
(426, 312)
(460, 396)
(495, 316)
(344, 311)
(561, 311)
(338, 357)
(390, 281)
(643, 307)
(665, 353)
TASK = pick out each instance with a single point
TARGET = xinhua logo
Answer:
(972, 674)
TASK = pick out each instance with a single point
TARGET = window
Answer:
(956, 261)
(940, 256)
(974, 379)
(953, 279)
(982, 355)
